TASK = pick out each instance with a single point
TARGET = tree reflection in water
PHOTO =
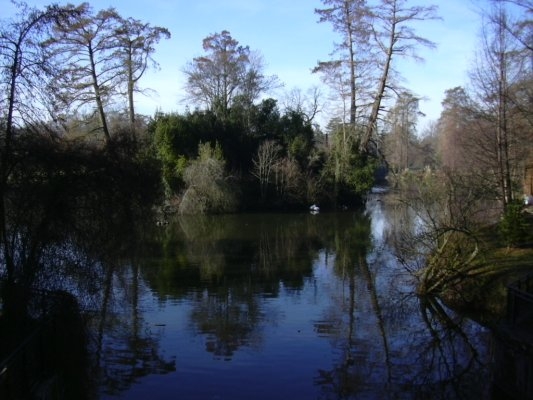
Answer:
(229, 320)
(234, 267)
(234, 274)
(125, 347)
(383, 346)
(71, 231)
(225, 287)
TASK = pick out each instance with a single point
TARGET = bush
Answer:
(208, 189)
(513, 226)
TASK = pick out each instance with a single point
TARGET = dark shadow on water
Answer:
(45, 354)
(513, 344)
(71, 214)
(513, 367)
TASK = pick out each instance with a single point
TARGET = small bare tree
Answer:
(308, 105)
(264, 163)
(288, 180)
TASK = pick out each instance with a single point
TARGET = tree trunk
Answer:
(502, 128)
(353, 106)
(98, 98)
(131, 87)
(373, 118)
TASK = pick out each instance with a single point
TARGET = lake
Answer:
(287, 306)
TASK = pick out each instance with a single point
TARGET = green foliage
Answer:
(296, 137)
(303, 173)
(513, 226)
(206, 153)
(361, 175)
(349, 173)
(176, 139)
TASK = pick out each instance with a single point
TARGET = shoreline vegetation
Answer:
(501, 266)
(465, 252)
(465, 260)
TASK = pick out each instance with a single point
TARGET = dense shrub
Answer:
(513, 226)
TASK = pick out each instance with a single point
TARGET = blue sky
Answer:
(291, 41)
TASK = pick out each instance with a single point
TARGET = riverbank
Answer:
(485, 296)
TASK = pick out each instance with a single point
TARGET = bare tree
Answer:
(264, 163)
(23, 66)
(350, 18)
(502, 66)
(88, 49)
(394, 37)
(371, 35)
(402, 120)
(255, 82)
(522, 29)
(136, 41)
(226, 72)
(23, 73)
(334, 76)
(454, 124)
(308, 105)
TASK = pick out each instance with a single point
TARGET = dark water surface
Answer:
(282, 307)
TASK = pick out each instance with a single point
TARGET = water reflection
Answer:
(65, 238)
(389, 354)
(278, 287)
(124, 346)
(267, 306)
(225, 266)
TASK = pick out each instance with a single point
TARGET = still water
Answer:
(294, 306)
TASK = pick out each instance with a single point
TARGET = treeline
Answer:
(482, 139)
(470, 196)
(70, 73)
(258, 158)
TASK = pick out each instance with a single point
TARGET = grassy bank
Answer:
(482, 291)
